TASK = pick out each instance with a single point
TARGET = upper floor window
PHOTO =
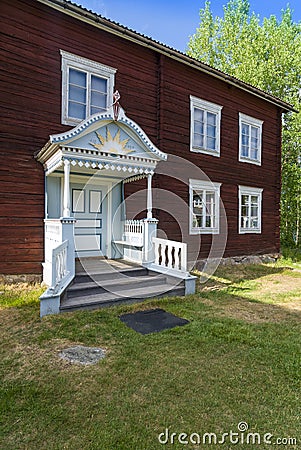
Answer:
(87, 88)
(205, 126)
(250, 136)
(204, 206)
(250, 209)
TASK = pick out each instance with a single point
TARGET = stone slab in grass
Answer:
(152, 321)
(83, 355)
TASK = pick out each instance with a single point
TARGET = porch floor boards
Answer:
(100, 283)
(94, 266)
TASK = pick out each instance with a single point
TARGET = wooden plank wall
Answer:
(155, 93)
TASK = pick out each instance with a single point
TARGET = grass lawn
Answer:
(238, 360)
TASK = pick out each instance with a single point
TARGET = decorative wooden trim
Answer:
(209, 107)
(247, 190)
(69, 60)
(204, 185)
(243, 118)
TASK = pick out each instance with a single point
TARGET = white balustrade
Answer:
(57, 232)
(59, 265)
(133, 232)
(170, 255)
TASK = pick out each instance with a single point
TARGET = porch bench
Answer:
(127, 244)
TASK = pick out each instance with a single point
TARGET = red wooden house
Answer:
(184, 166)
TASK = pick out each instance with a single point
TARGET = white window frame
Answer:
(206, 107)
(251, 122)
(246, 190)
(205, 186)
(90, 67)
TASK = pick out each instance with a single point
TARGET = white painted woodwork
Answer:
(149, 197)
(171, 255)
(66, 201)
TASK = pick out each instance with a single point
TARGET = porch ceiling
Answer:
(101, 143)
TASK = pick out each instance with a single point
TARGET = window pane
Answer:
(254, 154)
(211, 131)
(245, 129)
(244, 211)
(98, 84)
(210, 209)
(199, 128)
(254, 211)
(76, 110)
(77, 78)
(211, 119)
(197, 202)
(211, 143)
(244, 222)
(245, 151)
(245, 139)
(197, 221)
(94, 110)
(198, 140)
(254, 132)
(245, 199)
(254, 222)
(198, 115)
(254, 142)
(254, 200)
(99, 100)
(77, 94)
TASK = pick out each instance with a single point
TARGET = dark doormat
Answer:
(152, 321)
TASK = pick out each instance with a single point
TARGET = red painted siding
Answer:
(155, 93)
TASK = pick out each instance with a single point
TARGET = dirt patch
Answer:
(252, 312)
(280, 283)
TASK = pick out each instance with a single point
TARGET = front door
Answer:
(89, 207)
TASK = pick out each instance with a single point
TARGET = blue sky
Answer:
(173, 21)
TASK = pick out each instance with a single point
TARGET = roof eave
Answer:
(100, 22)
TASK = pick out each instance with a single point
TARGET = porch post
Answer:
(66, 201)
(149, 196)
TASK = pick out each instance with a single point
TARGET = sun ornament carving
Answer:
(112, 144)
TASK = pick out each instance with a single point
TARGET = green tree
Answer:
(266, 54)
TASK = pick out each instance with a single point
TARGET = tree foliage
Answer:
(266, 54)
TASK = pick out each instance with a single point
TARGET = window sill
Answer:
(205, 151)
(203, 231)
(249, 231)
(249, 160)
(72, 122)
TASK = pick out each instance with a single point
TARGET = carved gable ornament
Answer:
(101, 132)
(107, 141)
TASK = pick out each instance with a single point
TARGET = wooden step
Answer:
(118, 283)
(105, 299)
(109, 274)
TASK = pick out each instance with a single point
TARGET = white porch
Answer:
(85, 169)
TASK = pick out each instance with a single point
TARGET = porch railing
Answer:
(170, 255)
(133, 232)
(60, 272)
(59, 265)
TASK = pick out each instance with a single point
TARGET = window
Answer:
(204, 206)
(250, 132)
(87, 88)
(250, 209)
(205, 127)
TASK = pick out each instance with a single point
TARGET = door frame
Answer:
(92, 180)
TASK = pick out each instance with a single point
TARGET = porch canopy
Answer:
(116, 145)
